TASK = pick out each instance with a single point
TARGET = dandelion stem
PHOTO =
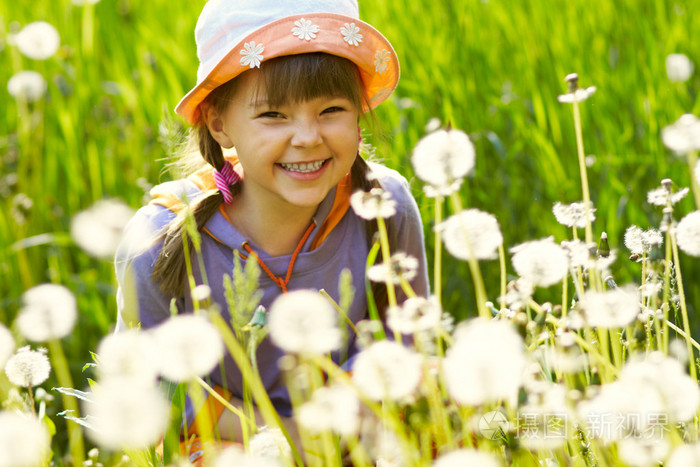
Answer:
(504, 272)
(684, 307)
(340, 311)
(386, 256)
(667, 289)
(692, 157)
(437, 271)
(75, 434)
(479, 288)
(583, 173)
(245, 421)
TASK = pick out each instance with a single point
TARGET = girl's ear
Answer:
(214, 121)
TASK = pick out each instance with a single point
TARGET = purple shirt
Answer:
(345, 247)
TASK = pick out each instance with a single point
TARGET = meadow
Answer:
(104, 129)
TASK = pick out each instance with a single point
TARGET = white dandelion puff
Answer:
(471, 232)
(466, 456)
(201, 293)
(270, 443)
(335, 408)
(613, 308)
(400, 266)
(647, 451)
(304, 322)
(28, 368)
(38, 40)
(252, 54)
(682, 136)
(640, 241)
(49, 311)
(24, 440)
(7, 345)
(84, 2)
(679, 68)
(684, 455)
(235, 455)
(373, 204)
(189, 346)
(126, 415)
(98, 229)
(471, 376)
(416, 314)
(688, 234)
(542, 262)
(387, 370)
(574, 214)
(579, 253)
(679, 392)
(305, 29)
(351, 34)
(579, 95)
(442, 159)
(129, 354)
(29, 86)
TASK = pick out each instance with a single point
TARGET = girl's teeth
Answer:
(304, 167)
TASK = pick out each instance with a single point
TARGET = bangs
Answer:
(298, 78)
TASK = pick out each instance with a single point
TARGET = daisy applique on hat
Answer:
(235, 36)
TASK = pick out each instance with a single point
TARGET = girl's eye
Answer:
(270, 114)
(333, 109)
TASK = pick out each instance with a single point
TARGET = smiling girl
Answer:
(282, 87)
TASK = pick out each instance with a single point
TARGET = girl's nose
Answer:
(306, 134)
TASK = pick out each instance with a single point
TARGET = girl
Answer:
(283, 85)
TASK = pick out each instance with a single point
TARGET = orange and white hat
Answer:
(233, 36)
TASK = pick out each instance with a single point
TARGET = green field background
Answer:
(491, 68)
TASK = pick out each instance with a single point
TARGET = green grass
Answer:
(491, 68)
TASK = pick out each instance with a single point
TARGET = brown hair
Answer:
(294, 78)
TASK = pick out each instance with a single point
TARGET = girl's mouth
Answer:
(303, 167)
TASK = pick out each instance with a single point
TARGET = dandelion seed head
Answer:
(189, 346)
(24, 440)
(463, 457)
(98, 229)
(688, 234)
(27, 85)
(470, 374)
(685, 455)
(679, 392)
(129, 354)
(7, 345)
(335, 408)
(579, 253)
(49, 311)
(27, 367)
(546, 407)
(84, 2)
(646, 451)
(574, 214)
(387, 370)
(640, 241)
(234, 455)
(432, 125)
(373, 204)
(682, 136)
(38, 40)
(400, 266)
(126, 415)
(471, 232)
(416, 314)
(443, 157)
(613, 308)
(579, 95)
(304, 322)
(542, 262)
(679, 68)
(201, 293)
(270, 443)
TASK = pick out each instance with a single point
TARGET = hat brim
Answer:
(371, 52)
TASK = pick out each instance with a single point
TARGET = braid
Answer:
(358, 175)
(170, 270)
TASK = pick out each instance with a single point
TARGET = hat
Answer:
(233, 36)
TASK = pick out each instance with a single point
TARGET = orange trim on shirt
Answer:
(204, 180)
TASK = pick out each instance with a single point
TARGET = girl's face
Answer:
(292, 154)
